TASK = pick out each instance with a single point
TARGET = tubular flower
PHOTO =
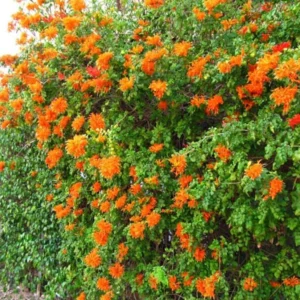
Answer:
(156, 148)
(103, 284)
(288, 69)
(213, 105)
(71, 23)
(153, 219)
(76, 146)
(53, 157)
(136, 230)
(211, 4)
(2, 166)
(59, 105)
(276, 186)
(284, 96)
(254, 171)
(249, 284)
(42, 133)
(199, 254)
(223, 153)
(93, 260)
(197, 66)
(122, 251)
(294, 121)
(200, 15)
(158, 88)
(81, 296)
(206, 286)
(178, 164)
(77, 5)
(126, 83)
(78, 123)
(154, 41)
(109, 167)
(103, 60)
(292, 281)
(154, 3)
(197, 101)
(96, 122)
(116, 270)
(173, 283)
(181, 49)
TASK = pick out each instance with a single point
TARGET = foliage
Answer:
(167, 133)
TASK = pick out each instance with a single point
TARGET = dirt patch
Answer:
(18, 294)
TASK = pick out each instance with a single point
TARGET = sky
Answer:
(7, 45)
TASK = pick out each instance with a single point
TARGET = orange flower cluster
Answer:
(276, 186)
(206, 286)
(173, 283)
(101, 236)
(213, 105)
(151, 57)
(181, 49)
(200, 15)
(292, 281)
(96, 122)
(126, 83)
(197, 66)
(103, 60)
(156, 148)
(53, 157)
(116, 270)
(250, 284)
(93, 260)
(211, 4)
(77, 123)
(2, 166)
(77, 5)
(136, 230)
(284, 96)
(59, 105)
(154, 3)
(199, 254)
(158, 88)
(103, 284)
(178, 163)
(109, 166)
(223, 153)
(76, 146)
(254, 171)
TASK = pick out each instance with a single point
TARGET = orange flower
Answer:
(223, 152)
(197, 101)
(249, 284)
(2, 166)
(116, 270)
(136, 230)
(76, 146)
(96, 122)
(185, 180)
(42, 133)
(211, 4)
(284, 96)
(199, 254)
(93, 260)
(154, 41)
(109, 167)
(154, 3)
(213, 105)
(123, 250)
(206, 286)
(120, 203)
(224, 67)
(126, 83)
(181, 49)
(173, 283)
(200, 15)
(103, 284)
(292, 281)
(158, 88)
(96, 187)
(197, 66)
(139, 279)
(178, 164)
(254, 171)
(276, 186)
(288, 69)
(77, 5)
(71, 23)
(81, 296)
(156, 148)
(59, 105)
(53, 157)
(153, 219)
(78, 123)
(103, 60)
(153, 282)
(105, 207)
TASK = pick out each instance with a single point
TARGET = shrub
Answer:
(170, 134)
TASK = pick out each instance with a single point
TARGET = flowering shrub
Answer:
(170, 142)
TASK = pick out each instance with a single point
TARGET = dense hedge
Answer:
(150, 150)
